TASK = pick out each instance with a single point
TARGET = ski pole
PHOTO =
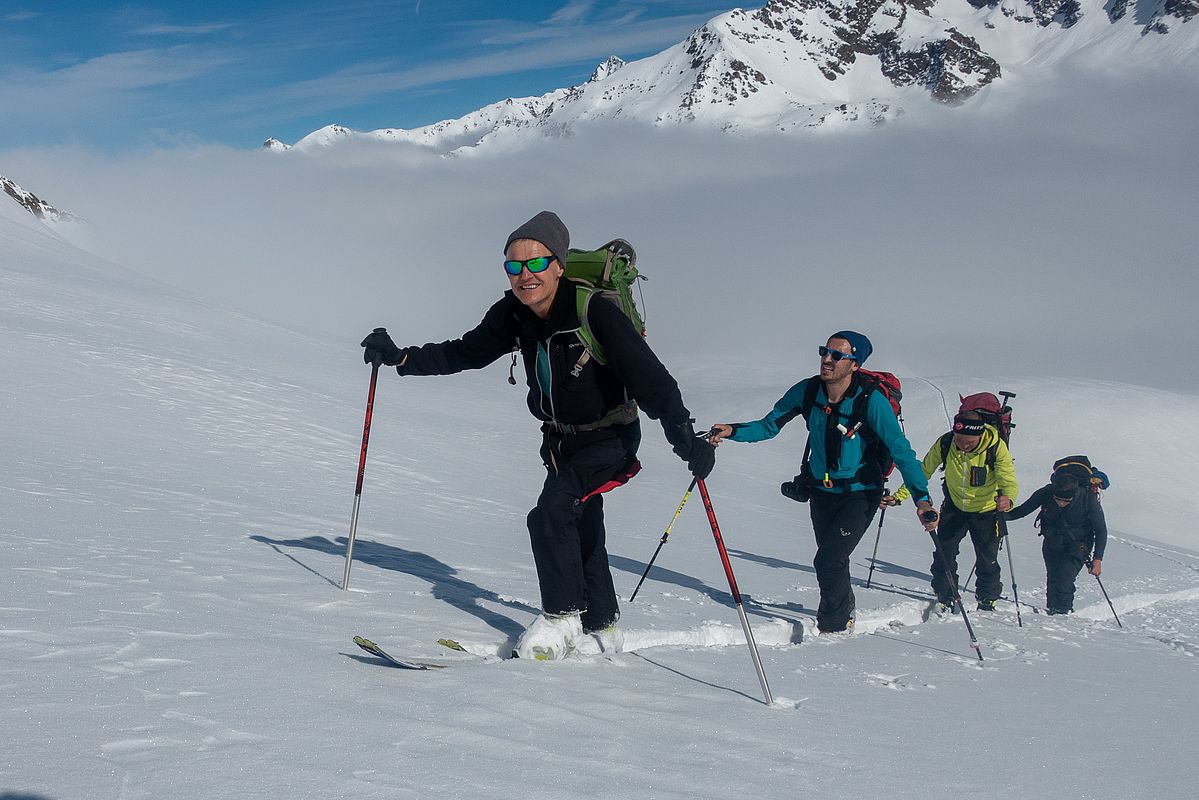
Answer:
(366, 433)
(1105, 597)
(665, 536)
(953, 584)
(970, 577)
(882, 515)
(1001, 529)
(728, 571)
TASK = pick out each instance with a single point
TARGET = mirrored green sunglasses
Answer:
(534, 265)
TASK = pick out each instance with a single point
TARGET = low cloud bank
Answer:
(1056, 238)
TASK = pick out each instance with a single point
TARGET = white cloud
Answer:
(162, 29)
(963, 242)
(573, 12)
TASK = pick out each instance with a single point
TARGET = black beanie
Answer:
(547, 229)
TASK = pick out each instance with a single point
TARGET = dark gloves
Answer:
(699, 454)
(703, 458)
(380, 349)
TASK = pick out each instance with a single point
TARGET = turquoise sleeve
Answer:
(881, 419)
(785, 410)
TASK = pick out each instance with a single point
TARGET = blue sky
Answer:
(124, 76)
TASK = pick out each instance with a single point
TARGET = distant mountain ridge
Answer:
(796, 65)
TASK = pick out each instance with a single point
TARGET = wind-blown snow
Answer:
(176, 494)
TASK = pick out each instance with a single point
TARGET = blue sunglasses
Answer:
(835, 355)
(539, 264)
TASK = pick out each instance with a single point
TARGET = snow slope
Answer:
(176, 491)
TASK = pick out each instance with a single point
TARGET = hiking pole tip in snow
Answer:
(928, 516)
(728, 572)
(366, 433)
(1105, 597)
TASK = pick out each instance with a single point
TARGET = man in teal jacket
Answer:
(848, 420)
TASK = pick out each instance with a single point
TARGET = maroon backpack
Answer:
(992, 410)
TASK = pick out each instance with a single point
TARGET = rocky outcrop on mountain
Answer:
(32, 203)
(951, 65)
(795, 65)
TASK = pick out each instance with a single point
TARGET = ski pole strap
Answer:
(621, 415)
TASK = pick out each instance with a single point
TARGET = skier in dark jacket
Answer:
(843, 487)
(1074, 530)
(589, 415)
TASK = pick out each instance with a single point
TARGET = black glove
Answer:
(380, 349)
(699, 454)
(703, 458)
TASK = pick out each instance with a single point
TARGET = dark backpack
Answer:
(878, 463)
(1080, 468)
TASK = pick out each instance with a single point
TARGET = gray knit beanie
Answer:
(547, 229)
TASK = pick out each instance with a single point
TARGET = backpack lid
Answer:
(1078, 466)
(982, 401)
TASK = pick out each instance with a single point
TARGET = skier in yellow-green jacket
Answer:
(980, 480)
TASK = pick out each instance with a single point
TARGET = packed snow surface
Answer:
(177, 488)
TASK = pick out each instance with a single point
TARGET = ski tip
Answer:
(451, 644)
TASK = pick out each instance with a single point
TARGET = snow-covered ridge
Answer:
(32, 203)
(796, 65)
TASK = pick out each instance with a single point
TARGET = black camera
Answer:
(797, 489)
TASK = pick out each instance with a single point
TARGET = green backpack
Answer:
(609, 271)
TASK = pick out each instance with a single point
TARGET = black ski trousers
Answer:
(839, 519)
(568, 538)
(1063, 561)
(952, 528)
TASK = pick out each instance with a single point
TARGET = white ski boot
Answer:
(550, 638)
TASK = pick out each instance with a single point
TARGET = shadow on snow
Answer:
(442, 578)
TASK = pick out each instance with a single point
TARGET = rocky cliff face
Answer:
(32, 203)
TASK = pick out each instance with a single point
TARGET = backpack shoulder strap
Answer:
(946, 443)
(583, 295)
(809, 396)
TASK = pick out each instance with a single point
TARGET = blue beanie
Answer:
(860, 344)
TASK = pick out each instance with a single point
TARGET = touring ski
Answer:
(379, 652)
(487, 651)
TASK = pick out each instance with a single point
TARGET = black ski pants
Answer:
(984, 533)
(1063, 561)
(568, 537)
(839, 519)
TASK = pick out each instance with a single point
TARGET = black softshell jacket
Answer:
(1081, 521)
(577, 395)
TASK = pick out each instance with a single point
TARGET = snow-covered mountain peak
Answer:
(609, 66)
(795, 65)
